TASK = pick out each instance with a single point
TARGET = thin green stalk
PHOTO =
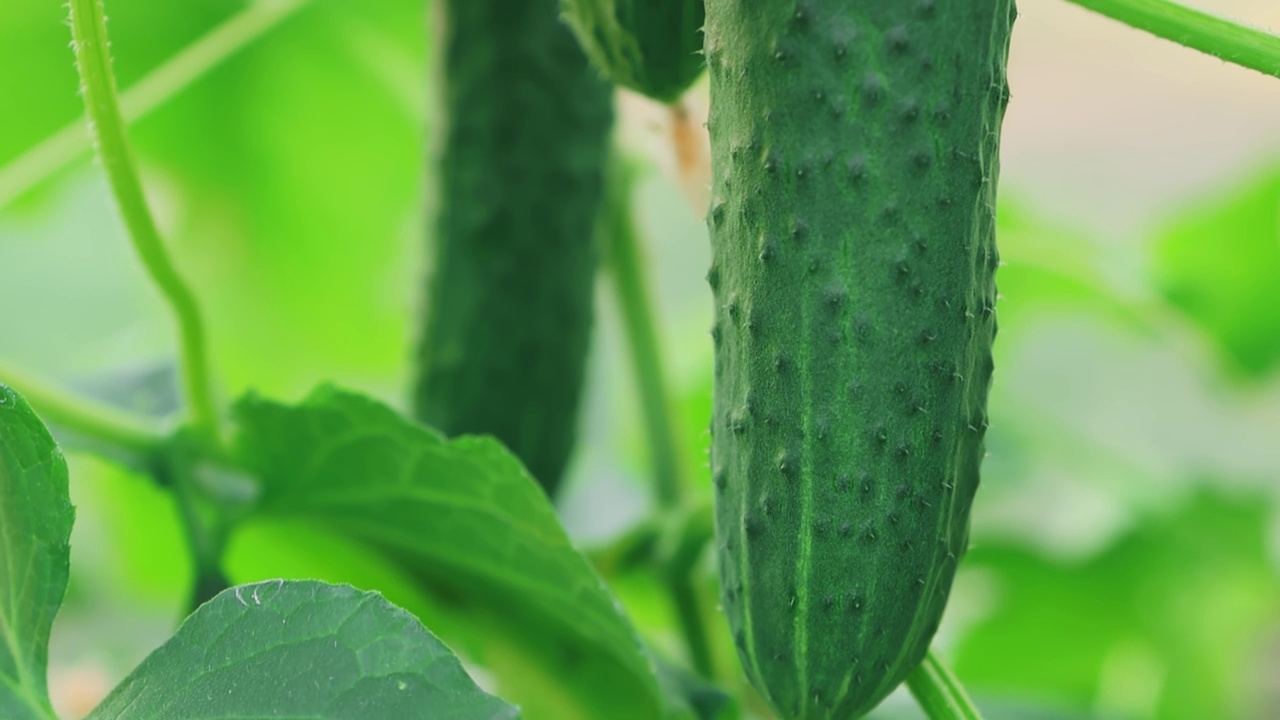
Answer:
(93, 59)
(179, 72)
(1223, 39)
(633, 548)
(642, 337)
(207, 542)
(689, 615)
(939, 693)
(637, 318)
(693, 530)
(85, 417)
(203, 522)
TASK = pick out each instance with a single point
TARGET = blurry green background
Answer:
(1126, 549)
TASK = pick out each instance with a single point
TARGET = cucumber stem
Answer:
(630, 286)
(206, 542)
(692, 163)
(1223, 39)
(106, 125)
(85, 417)
(939, 693)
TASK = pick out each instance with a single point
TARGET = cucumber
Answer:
(509, 306)
(651, 46)
(855, 157)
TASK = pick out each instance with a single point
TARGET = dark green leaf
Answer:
(1220, 265)
(468, 522)
(35, 530)
(300, 649)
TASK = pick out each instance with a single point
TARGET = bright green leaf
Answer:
(1048, 267)
(1220, 266)
(300, 649)
(1168, 623)
(35, 555)
(465, 519)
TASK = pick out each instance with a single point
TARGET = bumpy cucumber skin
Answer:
(855, 156)
(651, 46)
(521, 182)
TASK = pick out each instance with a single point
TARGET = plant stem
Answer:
(637, 318)
(93, 59)
(642, 337)
(633, 548)
(85, 417)
(1223, 39)
(694, 528)
(206, 542)
(693, 625)
(939, 693)
(202, 522)
(177, 73)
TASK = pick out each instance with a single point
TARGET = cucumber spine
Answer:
(855, 159)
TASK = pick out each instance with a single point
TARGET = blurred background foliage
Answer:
(1126, 550)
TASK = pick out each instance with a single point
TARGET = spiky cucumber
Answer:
(651, 46)
(521, 178)
(855, 156)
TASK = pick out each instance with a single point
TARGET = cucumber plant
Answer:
(855, 163)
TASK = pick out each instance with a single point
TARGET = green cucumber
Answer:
(855, 157)
(509, 308)
(651, 46)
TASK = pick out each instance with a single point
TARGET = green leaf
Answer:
(35, 555)
(1167, 623)
(300, 649)
(1047, 267)
(468, 522)
(1220, 266)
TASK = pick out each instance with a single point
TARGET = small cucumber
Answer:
(509, 307)
(855, 157)
(651, 46)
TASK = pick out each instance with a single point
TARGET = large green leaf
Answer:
(300, 649)
(1220, 265)
(465, 519)
(35, 529)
